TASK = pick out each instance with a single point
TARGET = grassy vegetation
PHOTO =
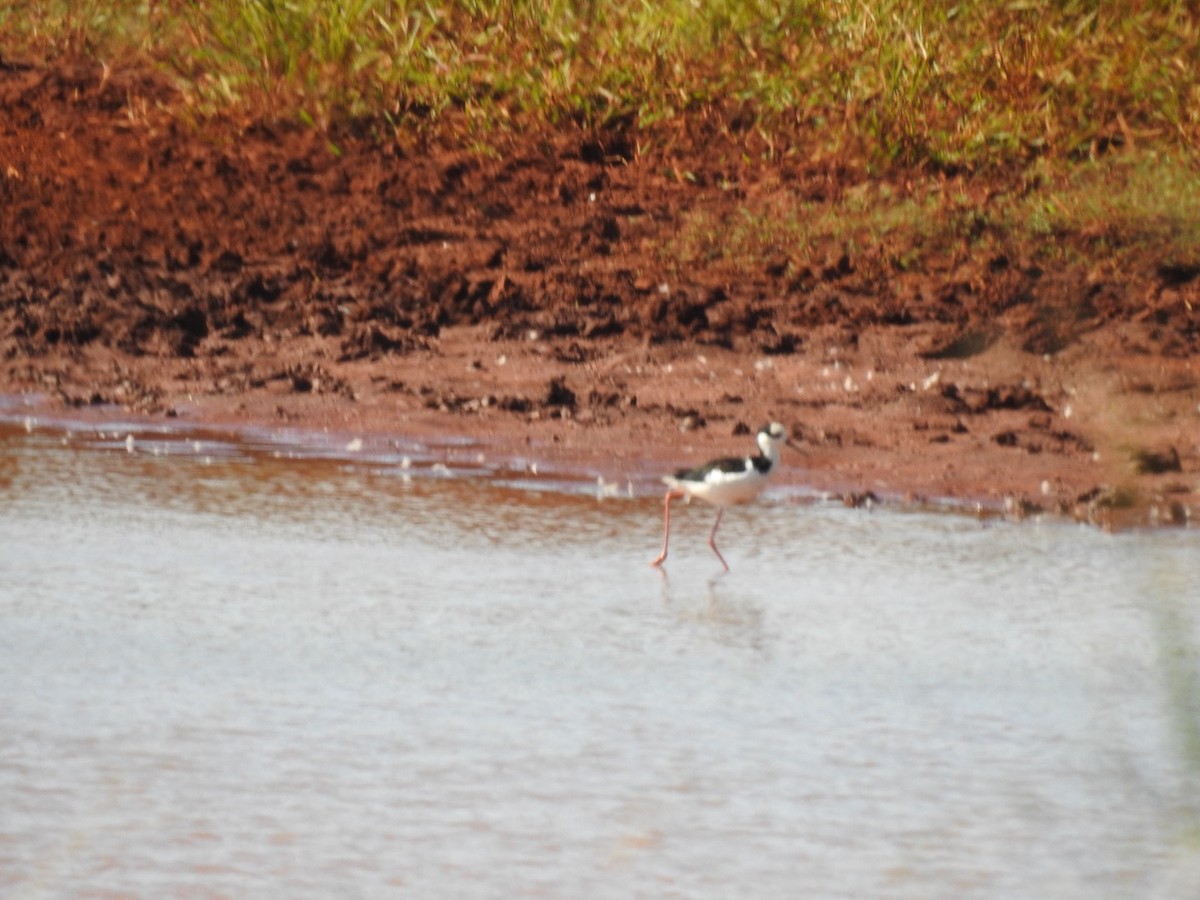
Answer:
(941, 83)
(1085, 114)
(1118, 208)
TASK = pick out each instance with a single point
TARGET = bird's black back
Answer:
(731, 464)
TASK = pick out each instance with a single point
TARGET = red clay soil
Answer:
(226, 273)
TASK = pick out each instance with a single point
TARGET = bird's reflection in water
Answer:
(719, 608)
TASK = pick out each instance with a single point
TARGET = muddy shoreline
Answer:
(237, 273)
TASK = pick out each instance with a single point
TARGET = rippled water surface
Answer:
(232, 671)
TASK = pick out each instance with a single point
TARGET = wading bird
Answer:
(730, 481)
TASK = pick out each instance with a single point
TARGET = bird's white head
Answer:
(770, 439)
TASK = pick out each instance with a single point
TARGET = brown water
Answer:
(247, 669)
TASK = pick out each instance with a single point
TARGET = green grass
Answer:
(1119, 208)
(1147, 201)
(1083, 115)
(939, 84)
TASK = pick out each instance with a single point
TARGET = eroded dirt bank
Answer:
(232, 273)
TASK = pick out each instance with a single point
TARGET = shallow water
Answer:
(248, 669)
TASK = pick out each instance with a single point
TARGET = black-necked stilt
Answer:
(725, 482)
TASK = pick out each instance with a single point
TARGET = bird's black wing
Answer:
(726, 464)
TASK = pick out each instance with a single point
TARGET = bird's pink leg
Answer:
(712, 539)
(671, 495)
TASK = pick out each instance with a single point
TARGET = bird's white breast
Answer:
(724, 488)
